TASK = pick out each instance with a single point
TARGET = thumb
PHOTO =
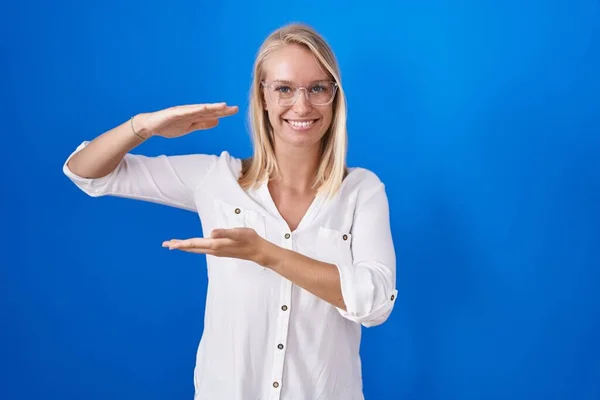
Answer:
(207, 124)
(222, 234)
(232, 233)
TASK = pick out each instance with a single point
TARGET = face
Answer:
(301, 124)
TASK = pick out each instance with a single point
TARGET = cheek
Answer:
(272, 113)
(275, 116)
(327, 116)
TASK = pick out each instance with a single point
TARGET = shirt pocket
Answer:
(235, 216)
(334, 246)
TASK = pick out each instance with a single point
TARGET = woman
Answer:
(300, 252)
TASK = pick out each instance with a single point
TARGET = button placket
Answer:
(281, 335)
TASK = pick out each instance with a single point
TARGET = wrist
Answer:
(270, 255)
(139, 127)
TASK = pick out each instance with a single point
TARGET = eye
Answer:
(318, 88)
(283, 89)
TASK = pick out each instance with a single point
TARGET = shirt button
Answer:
(237, 211)
(345, 237)
(275, 385)
(284, 308)
(287, 235)
(280, 346)
(393, 297)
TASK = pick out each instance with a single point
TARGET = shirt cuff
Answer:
(356, 303)
(88, 185)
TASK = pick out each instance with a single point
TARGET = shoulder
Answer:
(210, 163)
(361, 191)
(217, 166)
(229, 164)
(194, 169)
(362, 187)
(361, 179)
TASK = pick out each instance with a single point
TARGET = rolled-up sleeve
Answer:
(167, 180)
(369, 283)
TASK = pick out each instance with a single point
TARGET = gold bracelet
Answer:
(134, 132)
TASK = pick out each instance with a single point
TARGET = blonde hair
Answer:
(263, 164)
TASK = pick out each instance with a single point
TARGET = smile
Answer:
(300, 125)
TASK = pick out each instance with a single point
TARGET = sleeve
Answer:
(369, 284)
(167, 180)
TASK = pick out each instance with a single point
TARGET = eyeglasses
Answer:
(285, 93)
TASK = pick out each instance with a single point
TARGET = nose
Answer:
(302, 106)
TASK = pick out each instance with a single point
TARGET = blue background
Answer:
(481, 117)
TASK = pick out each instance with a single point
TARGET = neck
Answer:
(297, 167)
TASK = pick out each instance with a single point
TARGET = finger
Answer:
(216, 106)
(209, 110)
(200, 243)
(201, 116)
(205, 106)
(207, 124)
(167, 243)
(211, 113)
(197, 251)
(195, 243)
(221, 244)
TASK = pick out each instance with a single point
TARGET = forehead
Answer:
(294, 63)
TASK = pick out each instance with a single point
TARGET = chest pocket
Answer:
(334, 246)
(234, 216)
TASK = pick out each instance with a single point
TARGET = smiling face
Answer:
(300, 124)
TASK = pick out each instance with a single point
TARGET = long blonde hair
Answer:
(263, 164)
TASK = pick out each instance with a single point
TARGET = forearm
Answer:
(102, 155)
(319, 278)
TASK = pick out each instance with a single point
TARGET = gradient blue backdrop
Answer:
(481, 117)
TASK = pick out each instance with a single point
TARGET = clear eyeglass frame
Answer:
(289, 101)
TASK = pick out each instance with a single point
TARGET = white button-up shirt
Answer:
(264, 337)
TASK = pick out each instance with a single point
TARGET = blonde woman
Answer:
(299, 249)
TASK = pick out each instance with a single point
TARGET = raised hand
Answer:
(177, 121)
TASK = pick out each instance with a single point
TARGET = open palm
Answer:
(177, 121)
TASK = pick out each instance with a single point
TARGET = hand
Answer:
(242, 243)
(177, 121)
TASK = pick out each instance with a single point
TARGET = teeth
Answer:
(301, 124)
